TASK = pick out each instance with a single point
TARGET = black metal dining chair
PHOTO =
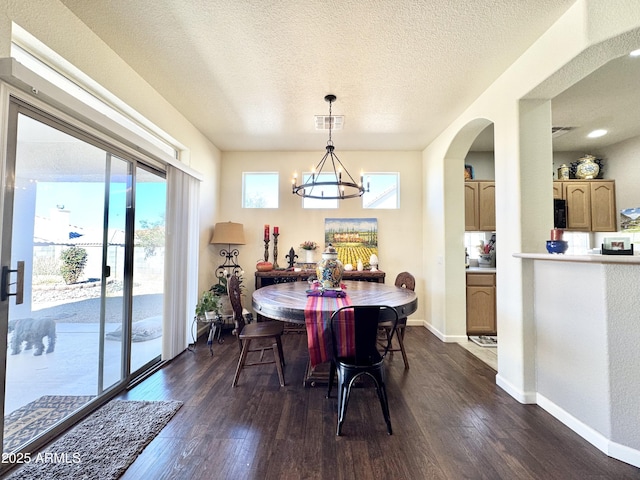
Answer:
(365, 358)
(270, 331)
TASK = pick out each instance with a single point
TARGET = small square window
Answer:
(328, 190)
(384, 190)
(260, 190)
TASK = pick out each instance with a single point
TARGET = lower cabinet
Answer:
(481, 303)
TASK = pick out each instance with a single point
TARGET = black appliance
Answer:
(559, 213)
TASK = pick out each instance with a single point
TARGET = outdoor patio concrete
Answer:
(72, 369)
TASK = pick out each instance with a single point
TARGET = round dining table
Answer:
(287, 301)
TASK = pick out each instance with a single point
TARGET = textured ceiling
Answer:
(252, 74)
(606, 99)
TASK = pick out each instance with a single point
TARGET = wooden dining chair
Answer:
(403, 280)
(270, 331)
(365, 359)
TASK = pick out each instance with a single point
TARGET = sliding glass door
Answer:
(82, 276)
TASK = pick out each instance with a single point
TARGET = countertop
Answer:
(480, 270)
(620, 259)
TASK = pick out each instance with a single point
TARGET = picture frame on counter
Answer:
(617, 246)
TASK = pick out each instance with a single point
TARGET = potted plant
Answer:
(309, 246)
(208, 305)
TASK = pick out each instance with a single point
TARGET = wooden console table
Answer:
(264, 279)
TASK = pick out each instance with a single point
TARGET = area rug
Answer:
(103, 445)
(35, 417)
(485, 340)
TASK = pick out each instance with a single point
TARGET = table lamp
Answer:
(228, 233)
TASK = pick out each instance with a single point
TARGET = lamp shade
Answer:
(228, 233)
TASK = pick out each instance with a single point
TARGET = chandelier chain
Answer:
(330, 142)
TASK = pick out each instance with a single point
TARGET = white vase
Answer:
(309, 256)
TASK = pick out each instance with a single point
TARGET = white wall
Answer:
(483, 165)
(399, 231)
(621, 163)
(54, 25)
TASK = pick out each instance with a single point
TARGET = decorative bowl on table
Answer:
(557, 246)
(264, 266)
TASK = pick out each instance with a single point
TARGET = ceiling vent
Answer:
(559, 131)
(324, 121)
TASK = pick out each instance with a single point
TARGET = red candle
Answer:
(266, 233)
(276, 230)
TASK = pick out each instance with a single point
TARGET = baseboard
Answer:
(519, 395)
(624, 454)
(415, 323)
(602, 443)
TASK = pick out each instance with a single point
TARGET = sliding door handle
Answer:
(4, 283)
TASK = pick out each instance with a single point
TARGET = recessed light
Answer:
(635, 53)
(597, 133)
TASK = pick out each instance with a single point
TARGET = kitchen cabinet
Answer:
(481, 303)
(591, 204)
(603, 207)
(479, 206)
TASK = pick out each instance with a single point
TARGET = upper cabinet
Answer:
(479, 206)
(591, 204)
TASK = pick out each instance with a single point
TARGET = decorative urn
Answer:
(329, 270)
(587, 169)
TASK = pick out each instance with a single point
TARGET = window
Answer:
(579, 242)
(329, 191)
(260, 190)
(383, 191)
(473, 239)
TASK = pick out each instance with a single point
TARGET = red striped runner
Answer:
(317, 315)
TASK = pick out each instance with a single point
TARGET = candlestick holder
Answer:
(275, 250)
(266, 249)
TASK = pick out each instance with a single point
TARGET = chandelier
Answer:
(332, 179)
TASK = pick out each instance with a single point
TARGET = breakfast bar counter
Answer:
(586, 313)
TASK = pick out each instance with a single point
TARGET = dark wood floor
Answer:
(450, 421)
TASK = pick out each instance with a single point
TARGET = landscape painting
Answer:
(354, 239)
(630, 220)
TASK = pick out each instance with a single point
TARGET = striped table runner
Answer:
(317, 314)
